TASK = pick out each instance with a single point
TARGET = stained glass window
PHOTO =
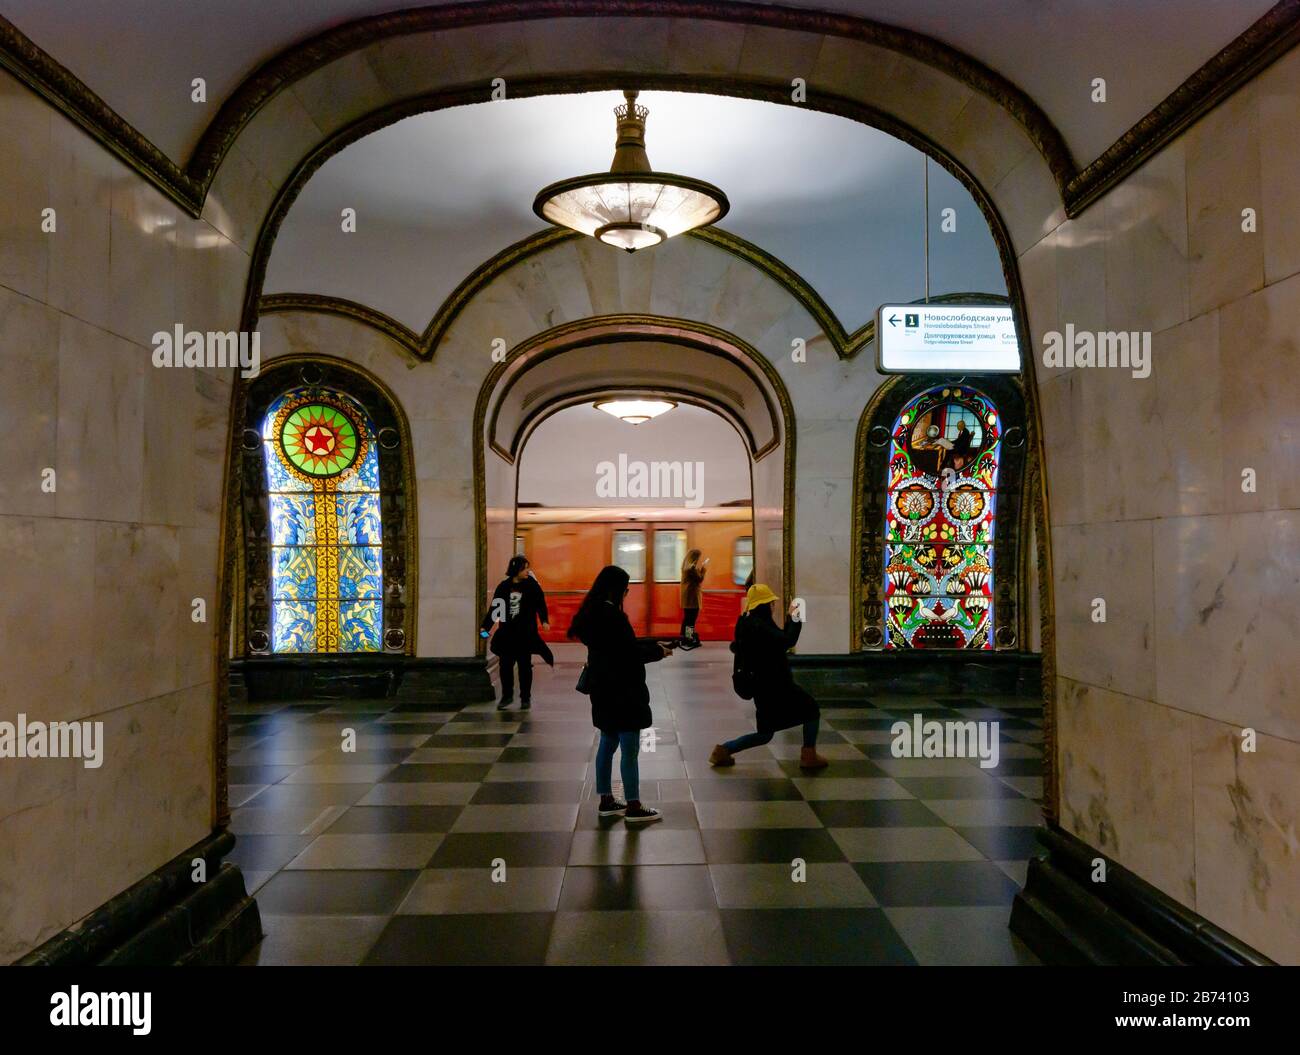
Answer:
(940, 520)
(322, 471)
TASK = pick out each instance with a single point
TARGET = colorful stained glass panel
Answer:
(293, 520)
(358, 518)
(326, 530)
(361, 623)
(293, 626)
(940, 521)
(361, 572)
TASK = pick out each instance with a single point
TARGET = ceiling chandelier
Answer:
(635, 411)
(631, 206)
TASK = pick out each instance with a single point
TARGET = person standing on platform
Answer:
(517, 605)
(614, 678)
(761, 649)
(693, 571)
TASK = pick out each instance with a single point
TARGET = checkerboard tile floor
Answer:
(385, 854)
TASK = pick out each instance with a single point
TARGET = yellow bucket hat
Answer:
(758, 594)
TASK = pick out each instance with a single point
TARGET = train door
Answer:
(629, 553)
(666, 575)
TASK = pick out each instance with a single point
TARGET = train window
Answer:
(629, 553)
(519, 545)
(742, 559)
(670, 552)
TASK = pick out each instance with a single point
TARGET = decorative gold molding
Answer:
(320, 304)
(64, 91)
(601, 329)
(423, 346)
(1275, 33)
(622, 337)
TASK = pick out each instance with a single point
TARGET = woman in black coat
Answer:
(517, 605)
(615, 680)
(761, 649)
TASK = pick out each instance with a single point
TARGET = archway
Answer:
(581, 362)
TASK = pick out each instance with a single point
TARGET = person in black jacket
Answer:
(620, 701)
(516, 606)
(761, 646)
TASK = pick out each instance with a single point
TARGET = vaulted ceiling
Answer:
(436, 195)
(141, 55)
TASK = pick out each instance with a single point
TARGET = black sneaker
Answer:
(641, 815)
(525, 705)
(611, 807)
(506, 701)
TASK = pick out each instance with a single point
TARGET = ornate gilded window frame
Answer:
(871, 462)
(397, 500)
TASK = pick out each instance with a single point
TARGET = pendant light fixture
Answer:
(631, 206)
(635, 411)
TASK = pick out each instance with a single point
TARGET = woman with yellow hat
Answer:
(761, 649)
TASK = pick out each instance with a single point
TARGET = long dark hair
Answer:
(517, 564)
(610, 585)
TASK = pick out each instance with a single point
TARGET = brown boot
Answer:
(810, 759)
(721, 757)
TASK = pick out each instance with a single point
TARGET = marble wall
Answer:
(1200, 576)
(102, 569)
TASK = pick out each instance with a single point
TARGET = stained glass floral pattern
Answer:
(940, 520)
(326, 547)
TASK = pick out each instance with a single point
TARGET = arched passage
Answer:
(602, 356)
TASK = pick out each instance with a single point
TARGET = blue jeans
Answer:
(810, 728)
(609, 743)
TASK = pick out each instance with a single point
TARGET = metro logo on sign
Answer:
(942, 338)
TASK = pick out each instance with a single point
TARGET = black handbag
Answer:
(584, 681)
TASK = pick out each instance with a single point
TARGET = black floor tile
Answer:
(1016, 843)
(627, 887)
(450, 740)
(580, 753)
(362, 820)
(363, 756)
(743, 789)
(490, 939)
(336, 892)
(769, 845)
(973, 787)
(933, 883)
(839, 769)
(280, 796)
(266, 853)
(438, 773)
(812, 937)
(259, 774)
(517, 849)
(1018, 767)
(876, 813)
(413, 729)
(508, 792)
(875, 724)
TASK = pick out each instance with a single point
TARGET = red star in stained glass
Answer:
(319, 440)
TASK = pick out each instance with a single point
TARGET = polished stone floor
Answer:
(389, 853)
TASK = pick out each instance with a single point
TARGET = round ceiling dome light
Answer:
(635, 411)
(631, 206)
